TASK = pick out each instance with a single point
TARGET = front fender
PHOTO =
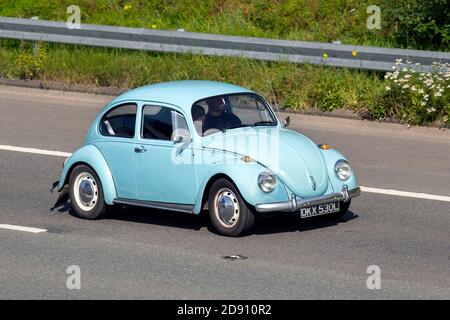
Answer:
(90, 155)
(331, 156)
(245, 177)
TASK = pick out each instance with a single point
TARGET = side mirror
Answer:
(286, 122)
(178, 139)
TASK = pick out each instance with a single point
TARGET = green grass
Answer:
(312, 20)
(297, 86)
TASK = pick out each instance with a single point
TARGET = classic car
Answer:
(192, 146)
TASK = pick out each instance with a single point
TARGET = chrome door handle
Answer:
(140, 149)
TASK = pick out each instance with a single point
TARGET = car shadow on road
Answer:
(158, 217)
(293, 223)
(146, 216)
(275, 224)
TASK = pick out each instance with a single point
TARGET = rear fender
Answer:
(91, 156)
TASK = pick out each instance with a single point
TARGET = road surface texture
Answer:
(144, 253)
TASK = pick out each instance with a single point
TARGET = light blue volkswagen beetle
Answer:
(193, 145)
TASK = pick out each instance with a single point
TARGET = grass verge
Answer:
(295, 86)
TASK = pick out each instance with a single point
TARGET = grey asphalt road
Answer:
(137, 253)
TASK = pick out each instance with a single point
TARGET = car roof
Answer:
(180, 93)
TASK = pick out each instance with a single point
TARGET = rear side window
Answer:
(119, 122)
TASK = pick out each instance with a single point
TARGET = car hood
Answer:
(293, 157)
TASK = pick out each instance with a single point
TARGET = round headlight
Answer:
(343, 169)
(266, 181)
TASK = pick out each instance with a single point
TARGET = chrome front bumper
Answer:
(296, 203)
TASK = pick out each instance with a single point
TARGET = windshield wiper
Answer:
(262, 123)
(256, 124)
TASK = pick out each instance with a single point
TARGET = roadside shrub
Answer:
(418, 97)
(328, 94)
(30, 63)
(421, 24)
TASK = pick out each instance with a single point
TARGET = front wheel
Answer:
(86, 193)
(229, 213)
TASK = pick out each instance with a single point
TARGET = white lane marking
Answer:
(364, 189)
(35, 151)
(406, 194)
(20, 228)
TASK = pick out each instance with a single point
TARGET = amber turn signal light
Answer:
(247, 159)
(324, 146)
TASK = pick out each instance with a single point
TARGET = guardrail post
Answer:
(35, 43)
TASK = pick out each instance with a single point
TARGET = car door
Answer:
(165, 171)
(117, 128)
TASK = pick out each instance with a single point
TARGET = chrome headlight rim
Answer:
(264, 182)
(338, 169)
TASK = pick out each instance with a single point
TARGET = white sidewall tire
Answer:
(90, 207)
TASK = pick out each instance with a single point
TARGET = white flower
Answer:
(430, 110)
(388, 88)
(421, 91)
(413, 88)
(405, 86)
(423, 103)
(438, 94)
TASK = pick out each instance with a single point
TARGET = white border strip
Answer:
(406, 194)
(20, 228)
(35, 151)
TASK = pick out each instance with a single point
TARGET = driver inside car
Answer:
(217, 116)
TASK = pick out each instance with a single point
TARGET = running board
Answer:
(186, 208)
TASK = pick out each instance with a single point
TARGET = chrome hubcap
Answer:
(226, 207)
(85, 191)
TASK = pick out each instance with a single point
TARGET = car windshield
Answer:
(226, 112)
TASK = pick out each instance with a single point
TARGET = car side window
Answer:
(163, 123)
(119, 121)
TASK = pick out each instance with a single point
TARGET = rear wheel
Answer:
(86, 193)
(229, 213)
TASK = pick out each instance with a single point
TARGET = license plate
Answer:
(319, 210)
